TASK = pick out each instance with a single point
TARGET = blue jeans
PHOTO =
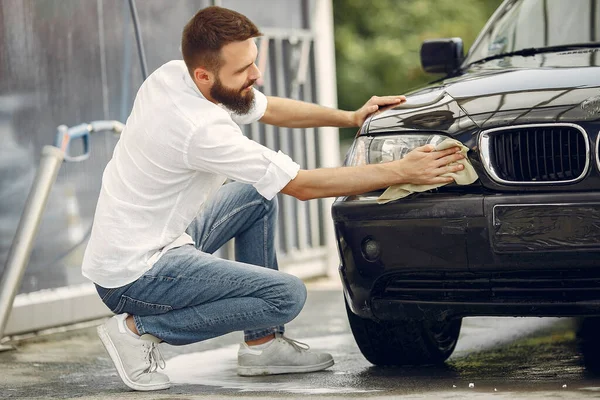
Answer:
(189, 295)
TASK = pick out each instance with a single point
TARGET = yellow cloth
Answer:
(466, 176)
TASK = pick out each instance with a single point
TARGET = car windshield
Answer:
(538, 24)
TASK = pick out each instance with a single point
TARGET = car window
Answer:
(524, 24)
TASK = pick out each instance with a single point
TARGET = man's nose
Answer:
(255, 73)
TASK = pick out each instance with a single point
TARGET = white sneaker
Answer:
(136, 359)
(281, 356)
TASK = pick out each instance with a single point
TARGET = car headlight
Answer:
(379, 149)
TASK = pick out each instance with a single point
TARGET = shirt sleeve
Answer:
(221, 148)
(255, 113)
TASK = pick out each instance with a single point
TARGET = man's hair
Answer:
(208, 31)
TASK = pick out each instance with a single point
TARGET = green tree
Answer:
(378, 42)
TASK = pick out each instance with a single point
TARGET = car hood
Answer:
(509, 91)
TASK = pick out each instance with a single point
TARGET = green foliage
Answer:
(378, 41)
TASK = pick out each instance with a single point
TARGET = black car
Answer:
(524, 239)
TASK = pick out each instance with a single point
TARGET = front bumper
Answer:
(445, 255)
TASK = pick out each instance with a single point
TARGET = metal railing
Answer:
(286, 58)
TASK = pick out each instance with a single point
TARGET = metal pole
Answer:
(20, 250)
(328, 138)
(138, 37)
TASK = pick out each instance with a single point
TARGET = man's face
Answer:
(232, 86)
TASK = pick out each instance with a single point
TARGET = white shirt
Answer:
(175, 152)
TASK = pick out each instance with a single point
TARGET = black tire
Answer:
(589, 343)
(405, 342)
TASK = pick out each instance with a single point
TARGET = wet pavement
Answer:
(500, 358)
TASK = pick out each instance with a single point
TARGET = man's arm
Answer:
(420, 166)
(299, 114)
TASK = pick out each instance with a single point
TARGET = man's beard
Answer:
(233, 99)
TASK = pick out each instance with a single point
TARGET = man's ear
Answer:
(202, 76)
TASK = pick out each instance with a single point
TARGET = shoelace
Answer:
(155, 357)
(299, 346)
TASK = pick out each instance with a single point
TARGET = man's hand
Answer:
(374, 104)
(424, 166)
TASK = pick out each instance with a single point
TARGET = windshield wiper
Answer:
(536, 50)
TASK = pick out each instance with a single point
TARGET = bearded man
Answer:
(163, 209)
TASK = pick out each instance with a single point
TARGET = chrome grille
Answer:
(598, 150)
(536, 154)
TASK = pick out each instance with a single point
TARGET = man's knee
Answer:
(271, 205)
(249, 192)
(295, 293)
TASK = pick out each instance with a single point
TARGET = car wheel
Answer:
(589, 344)
(405, 342)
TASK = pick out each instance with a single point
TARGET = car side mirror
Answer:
(442, 55)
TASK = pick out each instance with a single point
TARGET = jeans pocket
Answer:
(138, 307)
